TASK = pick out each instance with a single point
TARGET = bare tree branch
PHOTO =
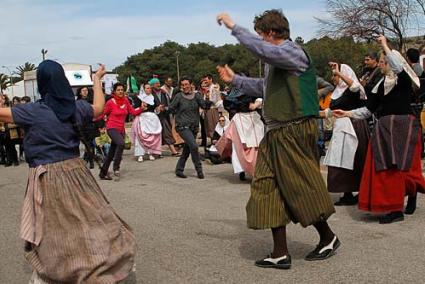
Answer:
(365, 19)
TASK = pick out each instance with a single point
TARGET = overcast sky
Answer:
(108, 31)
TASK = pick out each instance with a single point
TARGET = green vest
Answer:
(290, 97)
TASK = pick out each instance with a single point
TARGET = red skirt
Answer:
(384, 191)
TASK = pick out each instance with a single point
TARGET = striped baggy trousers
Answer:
(287, 184)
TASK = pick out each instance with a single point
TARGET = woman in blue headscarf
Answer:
(71, 233)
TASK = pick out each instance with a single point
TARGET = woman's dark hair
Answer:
(116, 85)
(89, 95)
(26, 99)
(185, 78)
(18, 99)
(272, 20)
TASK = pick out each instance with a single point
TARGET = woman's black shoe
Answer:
(347, 200)
(411, 205)
(283, 262)
(242, 176)
(391, 218)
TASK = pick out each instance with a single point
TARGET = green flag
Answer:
(132, 85)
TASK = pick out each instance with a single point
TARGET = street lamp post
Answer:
(44, 52)
(10, 78)
(178, 67)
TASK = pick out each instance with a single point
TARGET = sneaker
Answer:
(391, 218)
(151, 158)
(140, 159)
(283, 262)
(324, 251)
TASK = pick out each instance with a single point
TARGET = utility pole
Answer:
(178, 67)
(10, 79)
(44, 51)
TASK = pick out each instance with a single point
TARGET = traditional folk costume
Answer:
(287, 184)
(170, 91)
(161, 98)
(71, 232)
(212, 152)
(241, 140)
(146, 130)
(393, 162)
(210, 116)
(347, 149)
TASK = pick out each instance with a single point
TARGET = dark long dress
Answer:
(345, 180)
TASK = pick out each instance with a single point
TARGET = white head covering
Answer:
(149, 99)
(342, 86)
(220, 130)
(390, 79)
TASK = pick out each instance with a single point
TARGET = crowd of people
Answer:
(266, 127)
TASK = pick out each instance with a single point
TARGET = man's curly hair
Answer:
(272, 20)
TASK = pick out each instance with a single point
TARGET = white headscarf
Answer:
(342, 86)
(220, 130)
(390, 79)
(149, 99)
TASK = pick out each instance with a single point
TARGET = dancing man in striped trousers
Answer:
(287, 184)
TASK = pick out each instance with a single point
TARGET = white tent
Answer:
(17, 90)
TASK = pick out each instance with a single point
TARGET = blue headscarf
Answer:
(55, 90)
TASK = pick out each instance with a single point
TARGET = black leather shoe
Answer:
(201, 175)
(283, 262)
(181, 175)
(391, 218)
(324, 251)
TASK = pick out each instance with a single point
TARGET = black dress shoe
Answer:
(283, 262)
(411, 205)
(201, 175)
(7, 164)
(324, 251)
(181, 175)
(392, 217)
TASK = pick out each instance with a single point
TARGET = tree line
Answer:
(198, 59)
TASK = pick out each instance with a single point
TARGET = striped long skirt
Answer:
(287, 184)
(78, 236)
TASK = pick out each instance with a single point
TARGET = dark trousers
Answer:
(203, 133)
(115, 152)
(2, 148)
(11, 153)
(190, 147)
